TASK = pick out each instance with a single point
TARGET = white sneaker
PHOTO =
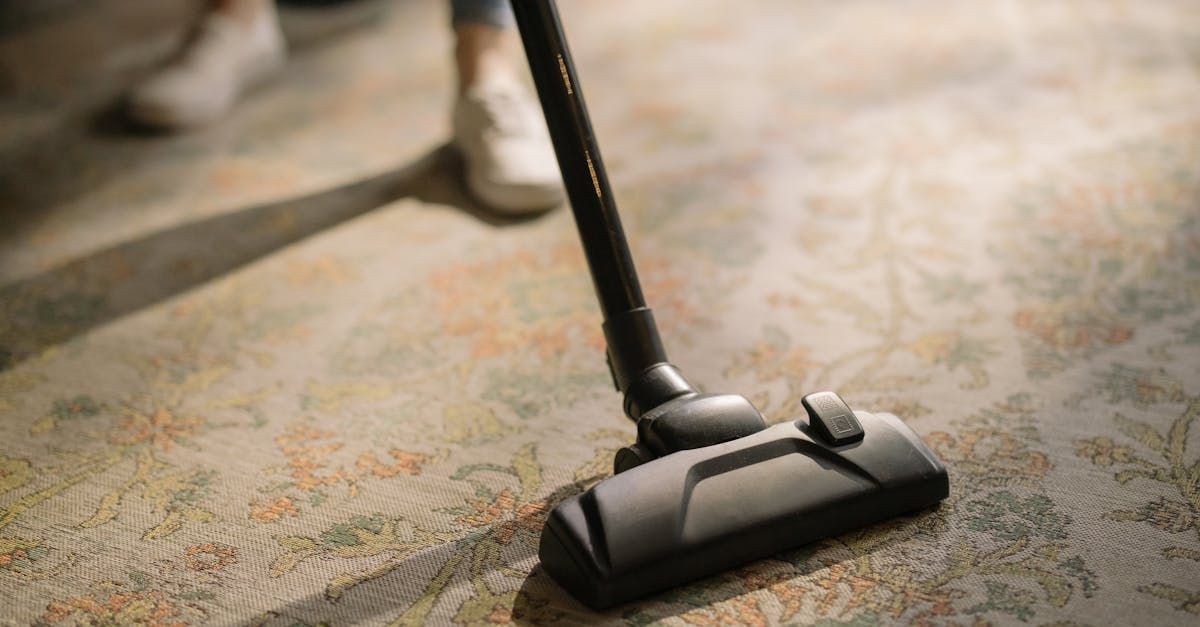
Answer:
(510, 163)
(223, 60)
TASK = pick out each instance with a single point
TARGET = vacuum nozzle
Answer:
(699, 511)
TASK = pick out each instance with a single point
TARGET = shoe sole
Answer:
(514, 200)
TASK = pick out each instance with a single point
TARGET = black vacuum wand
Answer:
(707, 485)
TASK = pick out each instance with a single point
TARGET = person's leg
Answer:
(498, 125)
(482, 50)
(484, 41)
(237, 44)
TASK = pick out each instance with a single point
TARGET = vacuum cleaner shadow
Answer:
(50, 308)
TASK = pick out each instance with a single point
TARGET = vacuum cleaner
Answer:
(708, 484)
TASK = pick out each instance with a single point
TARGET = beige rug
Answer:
(282, 372)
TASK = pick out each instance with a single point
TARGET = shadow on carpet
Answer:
(50, 308)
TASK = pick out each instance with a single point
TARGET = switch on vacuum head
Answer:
(832, 418)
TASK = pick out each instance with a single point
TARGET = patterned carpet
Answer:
(283, 372)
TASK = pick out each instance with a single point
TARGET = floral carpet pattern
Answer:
(281, 371)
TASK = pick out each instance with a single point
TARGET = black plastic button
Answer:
(832, 418)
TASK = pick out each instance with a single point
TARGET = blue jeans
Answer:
(491, 12)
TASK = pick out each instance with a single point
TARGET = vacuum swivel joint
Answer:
(673, 416)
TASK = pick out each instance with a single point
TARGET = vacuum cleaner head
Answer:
(697, 512)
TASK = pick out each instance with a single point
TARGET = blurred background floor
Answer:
(282, 370)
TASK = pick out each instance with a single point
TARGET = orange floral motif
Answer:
(991, 453)
(532, 516)
(209, 556)
(488, 513)
(1063, 331)
(517, 300)
(152, 609)
(406, 464)
(305, 459)
(309, 451)
(791, 595)
(12, 556)
(273, 510)
(161, 428)
(528, 516)
(837, 579)
(742, 610)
